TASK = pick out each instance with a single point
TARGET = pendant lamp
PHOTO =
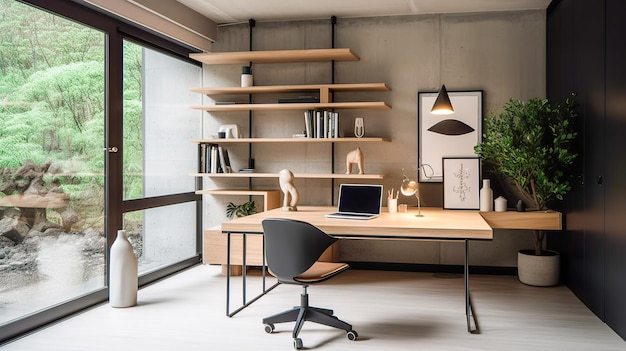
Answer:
(442, 105)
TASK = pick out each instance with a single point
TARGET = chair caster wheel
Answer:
(269, 328)
(297, 343)
(352, 335)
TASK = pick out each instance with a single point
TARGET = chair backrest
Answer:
(292, 247)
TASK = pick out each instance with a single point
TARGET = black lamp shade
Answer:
(442, 105)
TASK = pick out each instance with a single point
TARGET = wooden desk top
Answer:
(435, 224)
(541, 220)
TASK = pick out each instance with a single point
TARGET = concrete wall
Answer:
(502, 54)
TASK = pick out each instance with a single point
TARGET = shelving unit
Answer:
(214, 246)
(325, 92)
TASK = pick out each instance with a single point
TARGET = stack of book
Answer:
(321, 124)
(215, 159)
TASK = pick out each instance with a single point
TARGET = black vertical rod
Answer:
(251, 24)
(333, 22)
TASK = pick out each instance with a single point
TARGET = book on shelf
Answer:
(224, 160)
(308, 124)
(214, 160)
(206, 161)
(321, 124)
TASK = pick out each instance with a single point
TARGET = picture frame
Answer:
(452, 135)
(461, 183)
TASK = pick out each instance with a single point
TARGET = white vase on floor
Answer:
(123, 273)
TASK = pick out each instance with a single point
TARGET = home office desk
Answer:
(434, 224)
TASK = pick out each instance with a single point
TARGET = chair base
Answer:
(303, 313)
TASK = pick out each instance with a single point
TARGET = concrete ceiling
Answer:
(237, 11)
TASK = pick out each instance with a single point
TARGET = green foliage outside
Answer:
(52, 102)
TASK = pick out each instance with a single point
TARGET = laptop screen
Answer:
(360, 198)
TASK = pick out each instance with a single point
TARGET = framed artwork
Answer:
(452, 135)
(461, 183)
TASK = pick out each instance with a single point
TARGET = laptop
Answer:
(358, 201)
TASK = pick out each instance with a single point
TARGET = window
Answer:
(52, 222)
(158, 123)
(66, 98)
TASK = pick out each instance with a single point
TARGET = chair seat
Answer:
(321, 271)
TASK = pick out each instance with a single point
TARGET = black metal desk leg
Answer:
(228, 275)
(468, 301)
(244, 275)
(245, 301)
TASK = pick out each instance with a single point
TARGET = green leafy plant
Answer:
(240, 210)
(530, 145)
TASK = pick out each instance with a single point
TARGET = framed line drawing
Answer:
(461, 183)
(452, 135)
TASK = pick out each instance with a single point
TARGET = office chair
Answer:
(292, 249)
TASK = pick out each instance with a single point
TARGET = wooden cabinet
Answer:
(214, 243)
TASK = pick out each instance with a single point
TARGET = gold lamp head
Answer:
(442, 105)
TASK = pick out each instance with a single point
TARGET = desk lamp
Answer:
(411, 187)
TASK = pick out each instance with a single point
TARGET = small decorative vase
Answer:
(500, 204)
(246, 76)
(486, 196)
(122, 273)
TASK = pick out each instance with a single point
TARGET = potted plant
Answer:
(530, 145)
(240, 210)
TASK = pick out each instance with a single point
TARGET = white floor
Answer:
(389, 310)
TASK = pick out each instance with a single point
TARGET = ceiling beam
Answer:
(169, 18)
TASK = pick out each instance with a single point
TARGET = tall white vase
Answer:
(123, 273)
(486, 196)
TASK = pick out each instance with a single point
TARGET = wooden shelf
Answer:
(251, 192)
(299, 106)
(278, 89)
(271, 198)
(288, 140)
(296, 175)
(275, 56)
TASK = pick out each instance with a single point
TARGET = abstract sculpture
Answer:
(291, 197)
(355, 156)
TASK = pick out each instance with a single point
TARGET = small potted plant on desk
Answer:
(241, 210)
(530, 146)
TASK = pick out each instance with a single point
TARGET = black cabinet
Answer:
(586, 56)
(615, 179)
